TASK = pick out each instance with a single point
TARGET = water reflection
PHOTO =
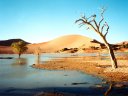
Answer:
(20, 61)
(108, 91)
(37, 61)
(116, 89)
(21, 75)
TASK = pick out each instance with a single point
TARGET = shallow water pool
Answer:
(16, 78)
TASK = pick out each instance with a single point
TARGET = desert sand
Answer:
(67, 41)
(6, 50)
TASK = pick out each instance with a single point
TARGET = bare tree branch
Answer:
(92, 16)
(106, 29)
(96, 25)
(94, 21)
(91, 21)
(102, 17)
(83, 17)
(84, 21)
(88, 23)
(81, 24)
(102, 29)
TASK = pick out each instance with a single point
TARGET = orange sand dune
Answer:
(5, 50)
(68, 41)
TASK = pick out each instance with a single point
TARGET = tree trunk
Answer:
(112, 56)
(111, 53)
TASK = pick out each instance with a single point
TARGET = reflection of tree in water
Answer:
(38, 59)
(116, 89)
(109, 89)
(20, 61)
(37, 53)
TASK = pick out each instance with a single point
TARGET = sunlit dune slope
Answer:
(68, 41)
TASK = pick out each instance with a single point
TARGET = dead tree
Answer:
(101, 30)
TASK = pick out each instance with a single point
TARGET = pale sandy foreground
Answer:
(101, 68)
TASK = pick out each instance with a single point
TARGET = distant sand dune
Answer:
(68, 41)
(57, 44)
(5, 50)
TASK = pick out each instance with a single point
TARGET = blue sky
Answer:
(43, 20)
